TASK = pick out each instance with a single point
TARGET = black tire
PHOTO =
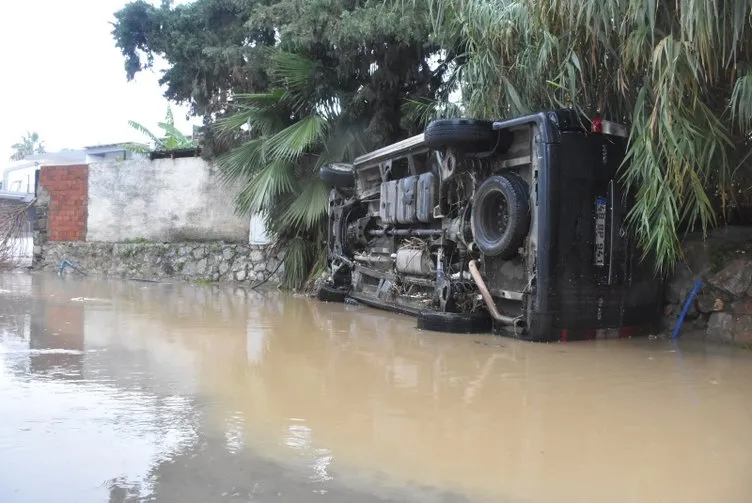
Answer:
(463, 134)
(339, 175)
(329, 293)
(500, 215)
(460, 323)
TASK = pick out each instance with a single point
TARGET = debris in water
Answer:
(89, 299)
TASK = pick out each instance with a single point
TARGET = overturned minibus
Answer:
(516, 226)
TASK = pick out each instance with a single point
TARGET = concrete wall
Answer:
(165, 200)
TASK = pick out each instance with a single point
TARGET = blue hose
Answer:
(687, 303)
(66, 262)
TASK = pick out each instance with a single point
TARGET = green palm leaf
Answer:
(269, 183)
(300, 256)
(265, 121)
(676, 72)
(741, 102)
(292, 141)
(293, 72)
(309, 206)
(242, 162)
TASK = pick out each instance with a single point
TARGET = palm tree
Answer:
(677, 73)
(289, 133)
(29, 145)
(173, 139)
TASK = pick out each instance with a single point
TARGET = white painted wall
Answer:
(258, 234)
(161, 200)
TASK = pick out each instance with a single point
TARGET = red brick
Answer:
(68, 190)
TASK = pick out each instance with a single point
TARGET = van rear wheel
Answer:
(462, 134)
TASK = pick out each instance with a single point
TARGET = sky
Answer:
(63, 77)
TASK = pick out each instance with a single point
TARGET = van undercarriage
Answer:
(459, 226)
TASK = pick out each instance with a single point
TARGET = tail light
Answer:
(598, 125)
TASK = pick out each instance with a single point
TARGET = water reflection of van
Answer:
(517, 225)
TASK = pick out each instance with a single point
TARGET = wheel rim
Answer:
(494, 216)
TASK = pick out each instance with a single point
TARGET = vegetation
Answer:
(29, 145)
(172, 139)
(677, 72)
(291, 84)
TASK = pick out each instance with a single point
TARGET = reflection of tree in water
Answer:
(364, 381)
(210, 470)
(270, 358)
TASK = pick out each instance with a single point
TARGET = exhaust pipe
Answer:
(490, 304)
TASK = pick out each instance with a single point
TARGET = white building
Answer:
(20, 176)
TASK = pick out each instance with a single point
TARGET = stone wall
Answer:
(39, 225)
(722, 311)
(154, 261)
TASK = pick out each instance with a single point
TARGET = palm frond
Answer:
(292, 71)
(676, 72)
(300, 255)
(242, 162)
(273, 180)
(309, 205)
(271, 98)
(292, 141)
(261, 120)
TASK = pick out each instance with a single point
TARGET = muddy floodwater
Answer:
(125, 391)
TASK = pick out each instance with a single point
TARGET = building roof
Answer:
(61, 158)
(105, 149)
(17, 197)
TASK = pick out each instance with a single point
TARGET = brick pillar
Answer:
(67, 188)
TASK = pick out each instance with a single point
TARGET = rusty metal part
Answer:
(490, 304)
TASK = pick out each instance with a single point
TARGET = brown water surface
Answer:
(129, 391)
